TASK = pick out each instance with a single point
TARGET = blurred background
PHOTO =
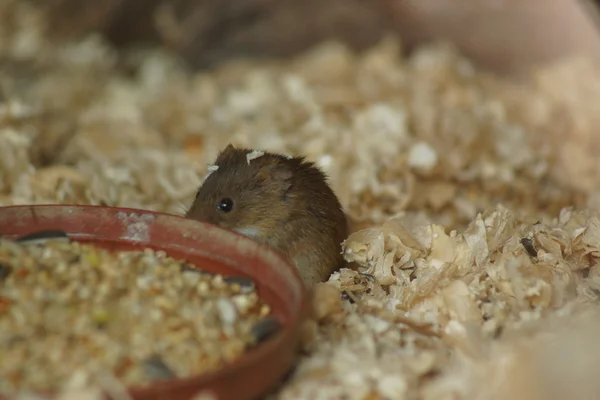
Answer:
(504, 35)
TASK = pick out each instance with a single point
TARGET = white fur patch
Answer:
(250, 231)
(211, 169)
(253, 155)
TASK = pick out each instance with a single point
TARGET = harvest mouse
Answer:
(284, 202)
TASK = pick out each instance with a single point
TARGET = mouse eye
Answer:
(225, 205)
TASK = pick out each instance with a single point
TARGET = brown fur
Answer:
(288, 200)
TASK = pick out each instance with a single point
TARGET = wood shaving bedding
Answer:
(479, 196)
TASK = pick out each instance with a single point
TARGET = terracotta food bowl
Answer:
(208, 247)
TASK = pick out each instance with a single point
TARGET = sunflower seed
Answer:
(156, 369)
(5, 271)
(265, 328)
(42, 236)
(528, 245)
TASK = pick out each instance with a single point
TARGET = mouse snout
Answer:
(196, 212)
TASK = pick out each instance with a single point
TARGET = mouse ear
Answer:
(225, 154)
(228, 150)
(276, 174)
(282, 176)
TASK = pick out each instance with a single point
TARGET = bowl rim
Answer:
(252, 356)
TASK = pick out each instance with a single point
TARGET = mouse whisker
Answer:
(250, 231)
(182, 209)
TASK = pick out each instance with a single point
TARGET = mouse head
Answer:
(246, 196)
